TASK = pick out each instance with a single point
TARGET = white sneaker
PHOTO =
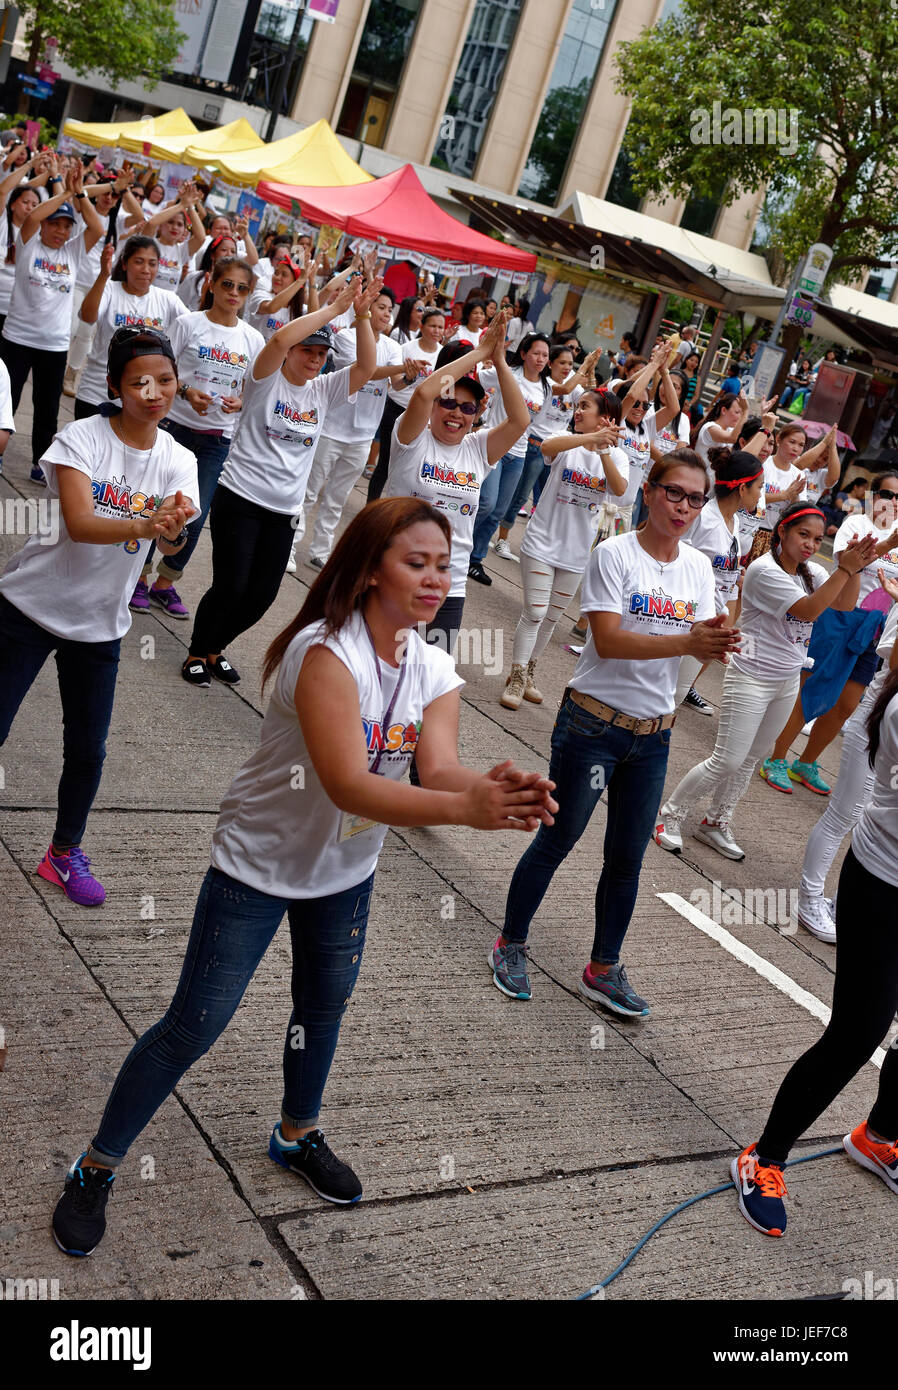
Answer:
(668, 834)
(504, 550)
(719, 837)
(816, 918)
(806, 729)
(291, 563)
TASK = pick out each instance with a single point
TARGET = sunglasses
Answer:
(233, 285)
(696, 500)
(466, 407)
(640, 405)
(887, 494)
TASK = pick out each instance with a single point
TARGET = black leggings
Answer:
(865, 997)
(378, 482)
(47, 372)
(250, 550)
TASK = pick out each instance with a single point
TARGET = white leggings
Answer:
(752, 714)
(547, 593)
(852, 791)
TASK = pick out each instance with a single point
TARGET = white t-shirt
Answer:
(777, 480)
(7, 272)
(214, 359)
(665, 439)
(285, 841)
(815, 482)
(557, 412)
(636, 446)
(357, 422)
(189, 289)
(774, 643)
(875, 837)
(241, 250)
(40, 310)
(449, 477)
(92, 264)
(6, 416)
(703, 442)
(264, 271)
(861, 526)
(563, 527)
(267, 324)
(280, 425)
(81, 591)
(710, 534)
(470, 335)
(172, 260)
(621, 577)
(534, 393)
(118, 309)
(412, 348)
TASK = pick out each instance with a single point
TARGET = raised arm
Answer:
(841, 589)
(241, 231)
(93, 227)
(90, 305)
(639, 383)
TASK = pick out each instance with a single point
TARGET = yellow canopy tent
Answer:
(313, 157)
(175, 122)
(224, 139)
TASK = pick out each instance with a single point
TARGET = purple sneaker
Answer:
(170, 601)
(70, 870)
(139, 601)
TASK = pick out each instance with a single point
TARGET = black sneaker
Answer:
(310, 1158)
(195, 671)
(695, 701)
(476, 571)
(37, 476)
(222, 670)
(79, 1221)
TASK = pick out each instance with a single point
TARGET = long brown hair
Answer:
(877, 713)
(218, 269)
(341, 586)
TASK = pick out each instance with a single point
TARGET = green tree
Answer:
(553, 140)
(121, 39)
(834, 66)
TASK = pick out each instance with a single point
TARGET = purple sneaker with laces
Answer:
(69, 869)
(139, 601)
(169, 599)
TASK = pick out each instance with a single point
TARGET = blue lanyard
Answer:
(385, 721)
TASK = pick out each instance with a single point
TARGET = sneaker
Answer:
(170, 600)
(669, 834)
(196, 672)
(37, 476)
(139, 601)
(505, 552)
(574, 651)
(613, 991)
(69, 869)
(775, 771)
(476, 571)
(316, 563)
(581, 633)
(531, 692)
(312, 1158)
(761, 1192)
(513, 693)
(695, 701)
(223, 670)
(814, 915)
(808, 774)
(68, 382)
(719, 837)
(881, 1159)
(509, 966)
(524, 511)
(291, 564)
(79, 1221)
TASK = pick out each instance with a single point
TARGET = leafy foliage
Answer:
(121, 39)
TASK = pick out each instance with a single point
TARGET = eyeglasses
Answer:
(640, 405)
(696, 500)
(466, 407)
(887, 494)
(231, 285)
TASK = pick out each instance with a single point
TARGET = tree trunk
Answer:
(789, 339)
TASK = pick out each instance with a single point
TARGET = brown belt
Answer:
(617, 716)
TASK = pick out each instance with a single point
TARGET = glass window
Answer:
(620, 186)
(477, 79)
(565, 101)
(274, 29)
(377, 71)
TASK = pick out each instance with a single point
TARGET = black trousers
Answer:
(865, 998)
(250, 550)
(47, 372)
(378, 481)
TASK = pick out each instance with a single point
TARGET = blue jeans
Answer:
(211, 450)
(233, 926)
(587, 755)
(531, 479)
(498, 489)
(86, 672)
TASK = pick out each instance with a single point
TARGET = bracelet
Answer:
(844, 570)
(358, 318)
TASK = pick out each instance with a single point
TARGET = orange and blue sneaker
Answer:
(69, 869)
(761, 1189)
(881, 1159)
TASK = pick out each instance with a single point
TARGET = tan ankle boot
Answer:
(513, 693)
(530, 691)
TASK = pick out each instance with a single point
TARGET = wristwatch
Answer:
(182, 390)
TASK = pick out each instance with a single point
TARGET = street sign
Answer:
(815, 268)
(801, 312)
(47, 74)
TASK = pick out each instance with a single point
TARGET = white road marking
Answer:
(755, 962)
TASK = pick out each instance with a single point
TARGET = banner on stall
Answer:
(459, 270)
(251, 206)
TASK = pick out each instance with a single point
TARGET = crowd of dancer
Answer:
(255, 390)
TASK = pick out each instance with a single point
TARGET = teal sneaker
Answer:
(509, 966)
(808, 774)
(775, 771)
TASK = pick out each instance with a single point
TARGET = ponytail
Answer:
(877, 713)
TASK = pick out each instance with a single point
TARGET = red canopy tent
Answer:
(398, 211)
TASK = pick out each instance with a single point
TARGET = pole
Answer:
(284, 75)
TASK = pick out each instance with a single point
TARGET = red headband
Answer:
(737, 482)
(805, 511)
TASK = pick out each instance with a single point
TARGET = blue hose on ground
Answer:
(711, 1192)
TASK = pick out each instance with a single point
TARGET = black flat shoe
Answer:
(222, 670)
(195, 671)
